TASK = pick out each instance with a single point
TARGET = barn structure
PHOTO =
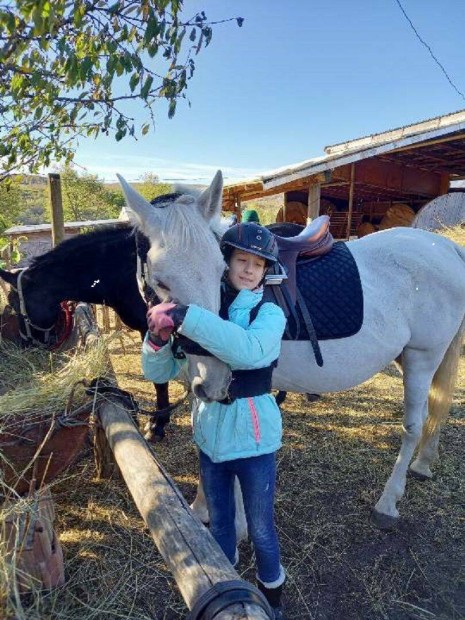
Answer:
(36, 239)
(367, 179)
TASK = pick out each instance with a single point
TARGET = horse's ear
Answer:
(9, 276)
(142, 213)
(209, 202)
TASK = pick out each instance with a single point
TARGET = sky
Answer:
(299, 75)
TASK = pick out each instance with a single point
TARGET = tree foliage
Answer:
(10, 203)
(85, 197)
(70, 68)
(150, 187)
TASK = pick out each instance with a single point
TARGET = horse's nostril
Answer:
(199, 392)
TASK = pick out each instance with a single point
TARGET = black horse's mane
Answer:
(102, 237)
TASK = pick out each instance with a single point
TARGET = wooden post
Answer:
(351, 199)
(445, 184)
(238, 207)
(58, 226)
(314, 196)
(285, 207)
(190, 552)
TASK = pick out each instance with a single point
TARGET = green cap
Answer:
(250, 215)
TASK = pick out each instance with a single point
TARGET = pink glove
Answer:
(159, 322)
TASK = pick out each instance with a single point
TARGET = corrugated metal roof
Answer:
(397, 134)
(331, 161)
(355, 150)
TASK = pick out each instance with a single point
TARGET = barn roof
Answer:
(15, 231)
(400, 164)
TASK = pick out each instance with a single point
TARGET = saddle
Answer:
(322, 299)
(314, 240)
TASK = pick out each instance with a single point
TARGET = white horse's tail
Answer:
(442, 387)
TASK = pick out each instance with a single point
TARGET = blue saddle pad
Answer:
(331, 288)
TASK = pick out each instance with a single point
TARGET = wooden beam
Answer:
(190, 552)
(314, 196)
(58, 225)
(351, 199)
(422, 145)
(445, 184)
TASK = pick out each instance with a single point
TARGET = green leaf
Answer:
(146, 87)
(172, 108)
(134, 81)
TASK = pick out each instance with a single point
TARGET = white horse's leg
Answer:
(440, 399)
(199, 505)
(242, 532)
(427, 454)
(200, 509)
(417, 380)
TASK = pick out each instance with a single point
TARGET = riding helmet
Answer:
(251, 238)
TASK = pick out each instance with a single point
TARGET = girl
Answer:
(240, 435)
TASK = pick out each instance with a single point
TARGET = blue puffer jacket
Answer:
(249, 426)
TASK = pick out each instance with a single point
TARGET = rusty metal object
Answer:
(32, 544)
(36, 452)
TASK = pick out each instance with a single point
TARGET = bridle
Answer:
(181, 345)
(29, 325)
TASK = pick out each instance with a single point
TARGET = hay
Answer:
(36, 381)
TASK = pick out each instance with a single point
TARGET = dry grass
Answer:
(36, 380)
(337, 455)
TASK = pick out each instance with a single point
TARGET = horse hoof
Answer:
(384, 522)
(312, 398)
(416, 474)
(151, 437)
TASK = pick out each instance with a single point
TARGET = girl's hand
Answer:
(165, 318)
(159, 322)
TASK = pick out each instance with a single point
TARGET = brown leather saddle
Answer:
(313, 241)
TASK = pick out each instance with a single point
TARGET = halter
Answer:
(181, 344)
(28, 323)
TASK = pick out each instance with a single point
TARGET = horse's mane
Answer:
(103, 236)
(181, 231)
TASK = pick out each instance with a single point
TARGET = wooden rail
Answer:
(190, 552)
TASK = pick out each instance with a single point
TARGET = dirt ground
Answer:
(338, 452)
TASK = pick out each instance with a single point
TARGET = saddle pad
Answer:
(331, 288)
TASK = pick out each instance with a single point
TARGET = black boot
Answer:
(273, 596)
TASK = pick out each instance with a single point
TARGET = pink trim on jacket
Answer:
(255, 420)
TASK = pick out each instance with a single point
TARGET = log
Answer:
(190, 552)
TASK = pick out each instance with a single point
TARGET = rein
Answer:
(28, 324)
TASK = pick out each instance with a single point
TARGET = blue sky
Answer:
(298, 75)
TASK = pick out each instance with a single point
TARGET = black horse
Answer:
(99, 267)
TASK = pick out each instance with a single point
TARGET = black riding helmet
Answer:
(251, 238)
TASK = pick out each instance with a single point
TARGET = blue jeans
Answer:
(257, 477)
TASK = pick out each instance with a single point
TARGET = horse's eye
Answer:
(162, 285)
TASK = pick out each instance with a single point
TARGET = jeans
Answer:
(257, 477)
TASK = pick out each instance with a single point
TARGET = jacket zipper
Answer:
(255, 420)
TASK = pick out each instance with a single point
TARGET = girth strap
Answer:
(249, 383)
(310, 329)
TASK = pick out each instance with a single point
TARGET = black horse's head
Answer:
(38, 313)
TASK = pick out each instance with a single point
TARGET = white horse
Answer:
(413, 285)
